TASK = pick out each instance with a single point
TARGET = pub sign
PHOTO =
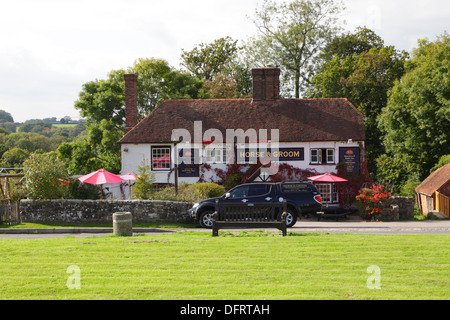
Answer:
(350, 156)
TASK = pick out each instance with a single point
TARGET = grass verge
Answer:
(242, 266)
(29, 225)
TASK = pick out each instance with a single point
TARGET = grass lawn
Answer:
(245, 266)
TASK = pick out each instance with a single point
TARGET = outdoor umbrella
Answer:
(328, 178)
(100, 177)
(129, 177)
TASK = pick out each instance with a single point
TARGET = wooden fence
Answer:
(443, 204)
(10, 213)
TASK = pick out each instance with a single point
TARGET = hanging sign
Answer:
(188, 160)
(188, 170)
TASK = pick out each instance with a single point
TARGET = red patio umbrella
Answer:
(328, 178)
(128, 176)
(100, 177)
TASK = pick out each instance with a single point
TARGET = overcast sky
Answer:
(50, 48)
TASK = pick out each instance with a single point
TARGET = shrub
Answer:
(45, 177)
(143, 186)
(190, 193)
(85, 191)
(408, 189)
(206, 190)
(186, 193)
(370, 200)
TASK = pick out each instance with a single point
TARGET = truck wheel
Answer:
(206, 219)
(291, 219)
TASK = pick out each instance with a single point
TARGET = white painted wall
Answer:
(133, 155)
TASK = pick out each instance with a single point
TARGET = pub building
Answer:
(312, 134)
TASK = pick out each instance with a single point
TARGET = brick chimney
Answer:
(131, 113)
(266, 84)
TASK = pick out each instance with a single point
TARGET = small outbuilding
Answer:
(433, 194)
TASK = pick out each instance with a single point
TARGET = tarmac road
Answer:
(302, 226)
(396, 227)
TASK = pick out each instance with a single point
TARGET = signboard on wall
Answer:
(351, 157)
(192, 167)
(188, 170)
(283, 154)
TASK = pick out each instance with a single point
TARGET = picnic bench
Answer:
(249, 215)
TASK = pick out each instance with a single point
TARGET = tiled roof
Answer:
(298, 120)
(435, 181)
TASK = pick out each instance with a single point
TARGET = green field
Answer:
(245, 266)
(64, 125)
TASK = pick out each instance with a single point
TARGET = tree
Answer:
(217, 64)
(14, 157)
(6, 116)
(416, 120)
(102, 103)
(3, 131)
(9, 126)
(222, 87)
(157, 81)
(349, 44)
(292, 34)
(445, 159)
(28, 141)
(208, 60)
(103, 99)
(37, 126)
(44, 176)
(240, 71)
(143, 186)
(363, 77)
(7, 121)
(396, 170)
(98, 149)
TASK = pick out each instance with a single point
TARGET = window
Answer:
(161, 158)
(239, 192)
(250, 191)
(322, 156)
(330, 155)
(258, 190)
(328, 191)
(218, 155)
(315, 156)
(188, 156)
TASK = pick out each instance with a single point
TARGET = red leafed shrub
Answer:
(287, 172)
(371, 199)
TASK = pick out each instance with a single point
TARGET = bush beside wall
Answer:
(101, 211)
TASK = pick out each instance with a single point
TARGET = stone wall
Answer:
(101, 211)
(398, 208)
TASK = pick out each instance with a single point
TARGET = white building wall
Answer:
(134, 154)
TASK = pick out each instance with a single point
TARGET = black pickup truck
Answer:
(302, 198)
